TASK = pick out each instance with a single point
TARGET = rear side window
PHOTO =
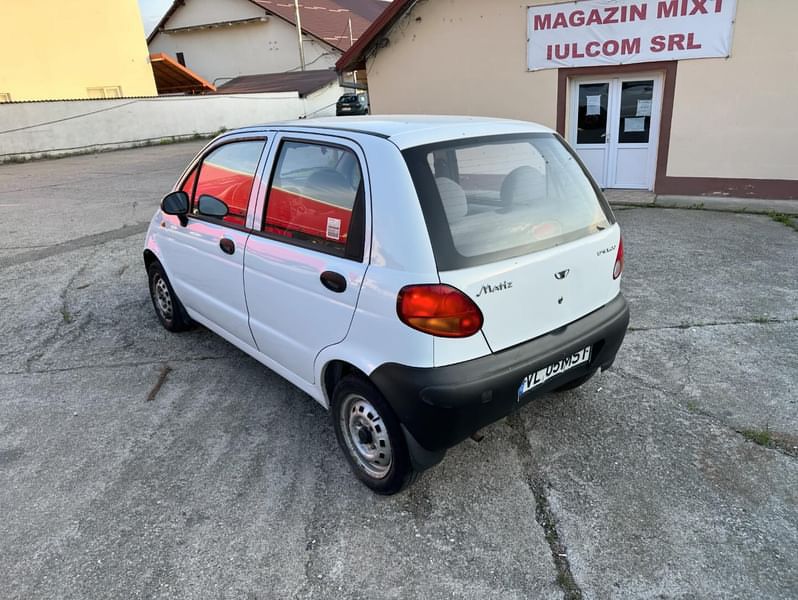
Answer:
(227, 174)
(316, 199)
(488, 199)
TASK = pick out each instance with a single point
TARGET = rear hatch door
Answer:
(527, 296)
(517, 224)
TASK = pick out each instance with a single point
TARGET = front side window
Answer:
(487, 199)
(227, 174)
(316, 199)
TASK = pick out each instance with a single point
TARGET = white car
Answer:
(421, 277)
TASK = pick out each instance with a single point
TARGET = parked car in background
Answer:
(420, 277)
(352, 104)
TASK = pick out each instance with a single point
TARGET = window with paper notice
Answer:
(636, 103)
(592, 117)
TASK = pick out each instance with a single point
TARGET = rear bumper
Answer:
(441, 406)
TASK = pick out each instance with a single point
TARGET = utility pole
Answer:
(352, 43)
(299, 33)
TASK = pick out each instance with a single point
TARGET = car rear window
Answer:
(491, 198)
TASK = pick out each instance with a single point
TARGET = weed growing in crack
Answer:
(782, 442)
(761, 437)
(787, 220)
(66, 316)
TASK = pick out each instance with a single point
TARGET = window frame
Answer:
(359, 211)
(196, 166)
(103, 90)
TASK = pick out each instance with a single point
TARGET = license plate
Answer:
(346, 108)
(541, 376)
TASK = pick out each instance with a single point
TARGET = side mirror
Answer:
(210, 206)
(176, 204)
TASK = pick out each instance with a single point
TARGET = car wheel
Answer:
(574, 384)
(369, 433)
(170, 310)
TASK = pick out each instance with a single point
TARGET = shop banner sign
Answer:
(618, 32)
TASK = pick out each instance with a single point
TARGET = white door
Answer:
(615, 128)
(307, 255)
(205, 256)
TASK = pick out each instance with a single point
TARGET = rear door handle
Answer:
(333, 281)
(227, 245)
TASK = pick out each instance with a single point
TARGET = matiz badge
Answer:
(489, 289)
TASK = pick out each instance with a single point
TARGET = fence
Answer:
(56, 128)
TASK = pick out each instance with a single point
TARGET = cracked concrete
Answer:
(544, 516)
(229, 482)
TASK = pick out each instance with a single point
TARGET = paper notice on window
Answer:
(333, 228)
(593, 105)
(644, 108)
(634, 124)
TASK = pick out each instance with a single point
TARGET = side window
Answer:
(188, 184)
(317, 199)
(227, 173)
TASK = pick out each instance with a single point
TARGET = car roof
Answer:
(407, 131)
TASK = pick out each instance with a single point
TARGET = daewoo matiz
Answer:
(421, 277)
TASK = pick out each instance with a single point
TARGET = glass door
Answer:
(591, 121)
(615, 129)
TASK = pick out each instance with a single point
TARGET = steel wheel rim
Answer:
(366, 436)
(162, 297)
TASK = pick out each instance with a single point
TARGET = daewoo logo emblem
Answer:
(562, 274)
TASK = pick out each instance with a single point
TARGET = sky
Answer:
(152, 11)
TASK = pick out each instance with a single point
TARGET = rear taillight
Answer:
(439, 310)
(618, 268)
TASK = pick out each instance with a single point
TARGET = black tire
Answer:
(170, 311)
(369, 434)
(571, 385)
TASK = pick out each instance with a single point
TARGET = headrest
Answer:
(328, 179)
(523, 185)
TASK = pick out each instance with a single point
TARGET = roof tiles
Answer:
(328, 20)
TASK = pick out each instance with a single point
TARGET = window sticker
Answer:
(593, 105)
(634, 124)
(643, 108)
(333, 228)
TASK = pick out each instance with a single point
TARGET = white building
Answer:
(691, 97)
(223, 39)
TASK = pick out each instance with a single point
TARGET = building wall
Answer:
(53, 49)
(732, 118)
(736, 118)
(219, 54)
(462, 57)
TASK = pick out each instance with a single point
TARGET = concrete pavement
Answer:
(228, 483)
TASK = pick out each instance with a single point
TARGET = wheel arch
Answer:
(149, 258)
(332, 372)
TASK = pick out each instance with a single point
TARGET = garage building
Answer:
(682, 97)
